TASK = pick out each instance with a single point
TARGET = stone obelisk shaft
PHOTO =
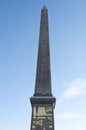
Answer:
(43, 74)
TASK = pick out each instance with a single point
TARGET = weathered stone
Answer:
(43, 74)
(43, 103)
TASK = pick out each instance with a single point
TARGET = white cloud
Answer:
(75, 88)
(69, 115)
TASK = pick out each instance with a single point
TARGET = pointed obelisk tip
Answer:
(44, 8)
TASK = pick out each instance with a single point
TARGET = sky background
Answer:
(19, 35)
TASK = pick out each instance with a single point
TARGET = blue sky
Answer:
(19, 34)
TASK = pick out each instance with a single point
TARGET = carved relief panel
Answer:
(42, 117)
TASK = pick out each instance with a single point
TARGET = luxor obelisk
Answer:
(43, 102)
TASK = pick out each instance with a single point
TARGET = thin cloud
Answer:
(75, 88)
(69, 115)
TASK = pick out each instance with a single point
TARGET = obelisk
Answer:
(43, 102)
